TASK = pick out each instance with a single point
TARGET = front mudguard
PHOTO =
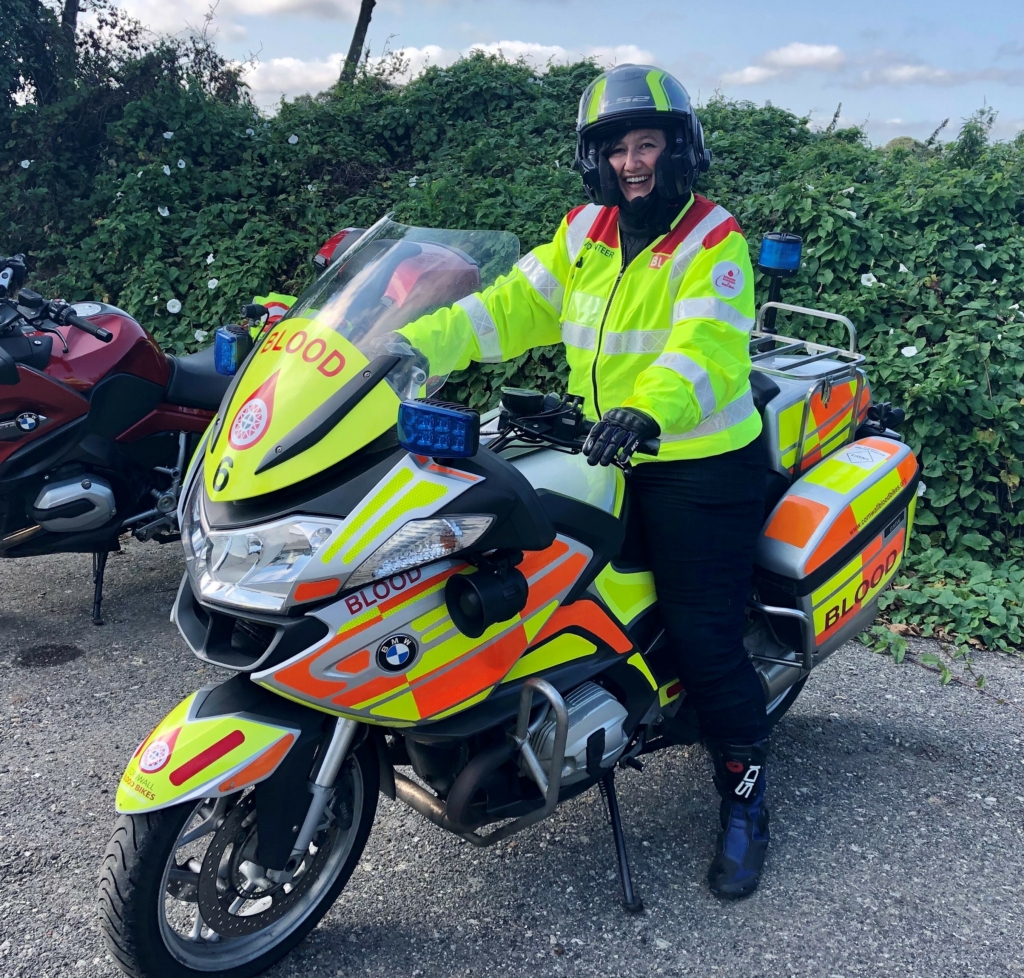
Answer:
(218, 741)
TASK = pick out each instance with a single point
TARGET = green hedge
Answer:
(921, 246)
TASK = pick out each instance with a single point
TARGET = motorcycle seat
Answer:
(195, 382)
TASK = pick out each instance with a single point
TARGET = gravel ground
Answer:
(897, 812)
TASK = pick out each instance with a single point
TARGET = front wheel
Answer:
(181, 893)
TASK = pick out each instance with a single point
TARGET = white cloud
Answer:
(540, 55)
(791, 58)
(751, 75)
(906, 74)
(799, 55)
(293, 76)
(176, 15)
(271, 79)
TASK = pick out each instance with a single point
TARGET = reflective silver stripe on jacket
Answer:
(691, 244)
(579, 336)
(708, 307)
(637, 341)
(543, 281)
(483, 326)
(693, 372)
(732, 414)
(578, 230)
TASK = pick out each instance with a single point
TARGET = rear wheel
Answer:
(181, 892)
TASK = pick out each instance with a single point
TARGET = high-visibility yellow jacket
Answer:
(668, 334)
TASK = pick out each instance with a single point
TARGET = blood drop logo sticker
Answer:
(158, 753)
(727, 278)
(253, 417)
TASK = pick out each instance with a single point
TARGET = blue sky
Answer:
(898, 67)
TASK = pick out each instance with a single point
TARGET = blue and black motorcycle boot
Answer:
(743, 840)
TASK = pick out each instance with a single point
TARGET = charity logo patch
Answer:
(156, 756)
(727, 278)
(250, 423)
(397, 653)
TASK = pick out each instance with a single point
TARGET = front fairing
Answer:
(327, 379)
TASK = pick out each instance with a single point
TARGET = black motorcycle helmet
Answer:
(638, 97)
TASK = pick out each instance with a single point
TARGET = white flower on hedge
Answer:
(25, 164)
(909, 351)
(167, 170)
(162, 211)
(209, 258)
(309, 186)
(139, 174)
(999, 336)
(413, 181)
(250, 131)
(168, 135)
(200, 335)
(292, 139)
(903, 268)
(891, 331)
(181, 164)
(868, 280)
(118, 195)
(852, 214)
(979, 247)
(173, 306)
(1016, 305)
(848, 191)
(809, 186)
(212, 284)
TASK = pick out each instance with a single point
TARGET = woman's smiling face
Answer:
(633, 158)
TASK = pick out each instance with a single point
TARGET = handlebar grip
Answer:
(649, 447)
(103, 335)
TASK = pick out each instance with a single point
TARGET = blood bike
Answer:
(444, 608)
(97, 425)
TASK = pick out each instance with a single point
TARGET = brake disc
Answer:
(230, 879)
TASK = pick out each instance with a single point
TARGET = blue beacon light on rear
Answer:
(780, 253)
(439, 431)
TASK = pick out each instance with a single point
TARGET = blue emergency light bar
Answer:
(780, 253)
(438, 429)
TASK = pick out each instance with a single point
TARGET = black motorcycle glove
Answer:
(619, 433)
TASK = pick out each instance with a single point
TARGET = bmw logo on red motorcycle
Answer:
(397, 653)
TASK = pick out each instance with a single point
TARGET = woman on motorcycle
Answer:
(651, 290)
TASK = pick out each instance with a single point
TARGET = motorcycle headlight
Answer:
(252, 567)
(420, 542)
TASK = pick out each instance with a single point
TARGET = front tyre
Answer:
(181, 893)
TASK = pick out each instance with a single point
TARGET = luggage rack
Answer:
(766, 346)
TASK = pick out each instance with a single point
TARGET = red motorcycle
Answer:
(97, 425)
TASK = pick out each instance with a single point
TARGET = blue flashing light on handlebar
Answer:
(442, 431)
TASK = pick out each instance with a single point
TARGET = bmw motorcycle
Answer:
(97, 425)
(445, 608)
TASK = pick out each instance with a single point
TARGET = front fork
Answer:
(322, 787)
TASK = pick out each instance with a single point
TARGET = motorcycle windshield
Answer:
(312, 392)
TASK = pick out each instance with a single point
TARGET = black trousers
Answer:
(701, 518)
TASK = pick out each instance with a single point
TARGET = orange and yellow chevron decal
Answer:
(450, 671)
(866, 506)
(828, 425)
(857, 583)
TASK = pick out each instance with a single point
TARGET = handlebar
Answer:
(61, 312)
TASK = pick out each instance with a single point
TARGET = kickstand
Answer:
(99, 566)
(630, 900)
